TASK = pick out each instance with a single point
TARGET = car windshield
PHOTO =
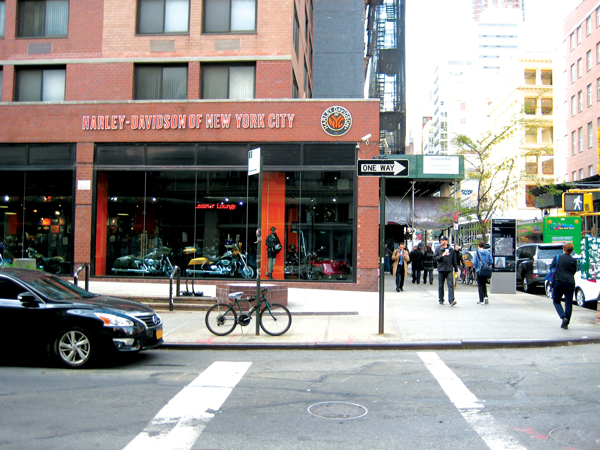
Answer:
(58, 289)
(549, 253)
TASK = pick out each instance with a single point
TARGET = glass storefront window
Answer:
(205, 220)
(35, 218)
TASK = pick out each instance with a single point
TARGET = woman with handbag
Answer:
(483, 265)
(564, 284)
(273, 247)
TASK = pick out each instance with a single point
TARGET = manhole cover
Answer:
(337, 410)
(582, 439)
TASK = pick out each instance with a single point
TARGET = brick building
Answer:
(582, 62)
(125, 128)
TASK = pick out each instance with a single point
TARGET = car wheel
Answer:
(74, 347)
(580, 297)
(526, 285)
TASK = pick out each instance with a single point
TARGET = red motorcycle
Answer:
(328, 268)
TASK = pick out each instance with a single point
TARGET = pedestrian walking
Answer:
(482, 260)
(428, 264)
(564, 284)
(416, 259)
(444, 256)
(400, 261)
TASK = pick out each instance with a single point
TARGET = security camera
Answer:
(366, 138)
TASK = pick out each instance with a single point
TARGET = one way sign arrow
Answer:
(383, 167)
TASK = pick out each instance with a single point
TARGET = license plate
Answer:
(159, 334)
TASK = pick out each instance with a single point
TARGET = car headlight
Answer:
(110, 320)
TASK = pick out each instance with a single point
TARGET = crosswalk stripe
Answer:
(469, 405)
(181, 421)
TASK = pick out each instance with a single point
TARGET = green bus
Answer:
(551, 230)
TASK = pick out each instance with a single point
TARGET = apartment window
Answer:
(163, 16)
(579, 68)
(579, 101)
(1, 77)
(588, 26)
(598, 53)
(572, 41)
(573, 106)
(531, 165)
(235, 82)
(548, 165)
(296, 32)
(530, 105)
(588, 61)
(580, 138)
(590, 171)
(547, 77)
(589, 95)
(573, 143)
(598, 89)
(590, 130)
(547, 106)
(573, 176)
(531, 135)
(529, 197)
(529, 76)
(579, 35)
(40, 84)
(157, 82)
(229, 16)
(581, 174)
(43, 18)
(2, 17)
(597, 17)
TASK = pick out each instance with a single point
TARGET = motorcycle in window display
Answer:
(155, 263)
(314, 266)
(233, 263)
(53, 264)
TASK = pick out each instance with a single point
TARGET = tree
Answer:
(490, 170)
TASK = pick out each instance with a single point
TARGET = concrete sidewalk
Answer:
(328, 319)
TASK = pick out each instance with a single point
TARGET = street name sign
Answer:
(383, 167)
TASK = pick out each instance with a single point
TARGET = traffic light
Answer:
(579, 203)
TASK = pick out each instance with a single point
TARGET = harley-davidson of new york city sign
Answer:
(336, 121)
(183, 121)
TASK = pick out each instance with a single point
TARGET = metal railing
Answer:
(85, 266)
(176, 271)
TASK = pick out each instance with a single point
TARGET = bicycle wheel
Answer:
(220, 320)
(275, 319)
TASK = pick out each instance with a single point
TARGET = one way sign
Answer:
(383, 167)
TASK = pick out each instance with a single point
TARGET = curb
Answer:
(466, 344)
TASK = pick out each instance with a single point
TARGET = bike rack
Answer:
(85, 266)
(176, 271)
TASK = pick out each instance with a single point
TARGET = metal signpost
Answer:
(396, 168)
(255, 168)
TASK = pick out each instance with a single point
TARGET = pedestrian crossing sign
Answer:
(578, 203)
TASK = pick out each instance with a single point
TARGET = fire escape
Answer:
(387, 80)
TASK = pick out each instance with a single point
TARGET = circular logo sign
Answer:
(336, 121)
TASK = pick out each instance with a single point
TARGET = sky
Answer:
(437, 29)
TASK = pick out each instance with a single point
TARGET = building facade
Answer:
(126, 129)
(582, 50)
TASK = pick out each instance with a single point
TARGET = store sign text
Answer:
(183, 121)
(230, 207)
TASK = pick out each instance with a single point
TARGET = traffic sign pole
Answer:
(381, 251)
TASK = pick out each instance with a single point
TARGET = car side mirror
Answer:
(28, 298)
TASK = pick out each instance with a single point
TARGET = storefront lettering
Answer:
(183, 121)
(230, 207)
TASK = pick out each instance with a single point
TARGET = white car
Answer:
(585, 290)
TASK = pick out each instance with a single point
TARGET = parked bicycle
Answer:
(468, 275)
(221, 319)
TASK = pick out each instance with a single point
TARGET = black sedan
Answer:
(69, 322)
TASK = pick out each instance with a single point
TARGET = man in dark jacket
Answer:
(564, 284)
(416, 258)
(446, 261)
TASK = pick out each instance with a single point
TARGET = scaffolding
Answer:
(386, 70)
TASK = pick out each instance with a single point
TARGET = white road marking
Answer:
(179, 424)
(469, 406)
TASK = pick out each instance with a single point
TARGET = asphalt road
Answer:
(498, 399)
